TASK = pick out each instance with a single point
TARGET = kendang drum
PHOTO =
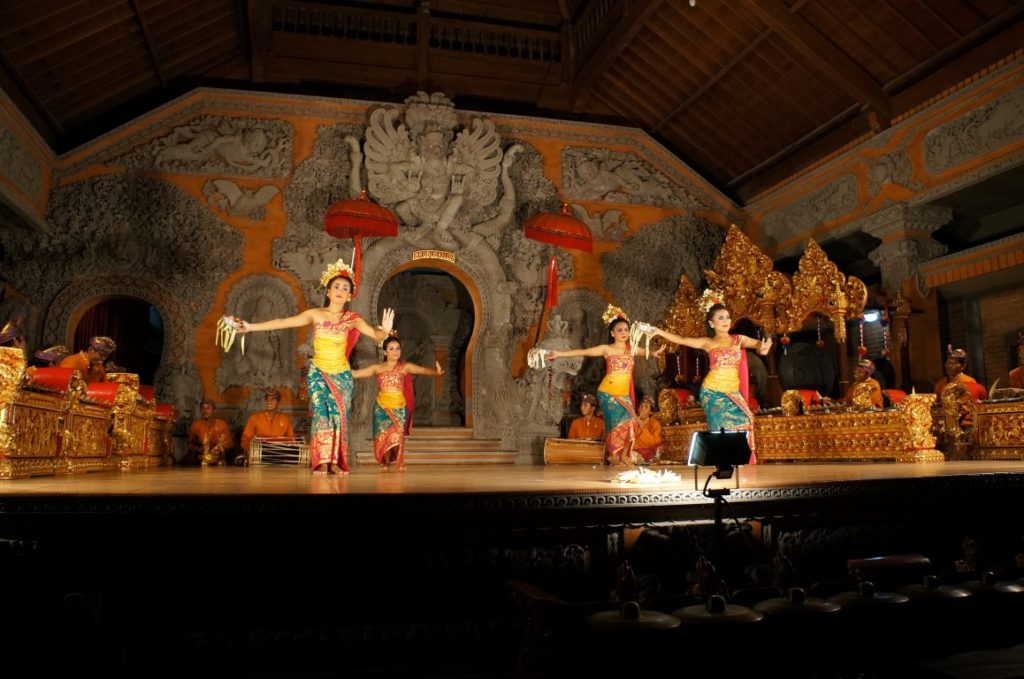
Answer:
(573, 451)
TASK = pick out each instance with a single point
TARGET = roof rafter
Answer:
(631, 17)
(148, 38)
(830, 59)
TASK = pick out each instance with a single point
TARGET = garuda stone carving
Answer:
(434, 178)
(238, 201)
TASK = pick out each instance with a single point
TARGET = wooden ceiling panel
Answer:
(745, 91)
(852, 31)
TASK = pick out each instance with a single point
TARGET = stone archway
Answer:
(73, 301)
(436, 308)
(488, 381)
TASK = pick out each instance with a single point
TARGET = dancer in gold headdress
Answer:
(615, 393)
(329, 381)
(723, 392)
(392, 410)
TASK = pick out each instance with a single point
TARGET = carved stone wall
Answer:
(618, 177)
(218, 145)
(993, 126)
(905, 246)
(828, 203)
(18, 165)
(642, 274)
(269, 358)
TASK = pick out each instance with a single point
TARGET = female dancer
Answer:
(392, 411)
(615, 393)
(329, 381)
(723, 392)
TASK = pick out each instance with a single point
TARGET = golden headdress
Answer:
(613, 312)
(339, 268)
(709, 298)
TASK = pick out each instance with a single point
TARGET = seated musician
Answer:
(208, 438)
(1017, 374)
(12, 336)
(51, 356)
(648, 447)
(863, 373)
(590, 426)
(89, 361)
(268, 423)
(956, 363)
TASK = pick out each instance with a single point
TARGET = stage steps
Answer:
(446, 445)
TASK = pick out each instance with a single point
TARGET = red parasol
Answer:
(358, 217)
(564, 230)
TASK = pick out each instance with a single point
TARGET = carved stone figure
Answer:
(608, 225)
(269, 358)
(229, 197)
(545, 390)
(220, 145)
(617, 176)
(430, 179)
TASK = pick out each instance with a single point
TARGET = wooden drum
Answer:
(573, 451)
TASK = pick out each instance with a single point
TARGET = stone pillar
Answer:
(905, 232)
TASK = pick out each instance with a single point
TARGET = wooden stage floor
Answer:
(482, 479)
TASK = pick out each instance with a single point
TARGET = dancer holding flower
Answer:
(615, 393)
(723, 394)
(329, 381)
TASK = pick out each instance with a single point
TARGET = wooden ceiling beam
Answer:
(43, 114)
(258, 13)
(632, 17)
(827, 57)
(150, 45)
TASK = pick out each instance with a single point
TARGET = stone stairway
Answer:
(446, 445)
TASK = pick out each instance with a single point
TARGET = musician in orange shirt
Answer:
(209, 437)
(268, 423)
(89, 361)
(590, 426)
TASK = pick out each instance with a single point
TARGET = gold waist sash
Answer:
(616, 384)
(720, 379)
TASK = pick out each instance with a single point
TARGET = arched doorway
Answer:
(134, 324)
(435, 316)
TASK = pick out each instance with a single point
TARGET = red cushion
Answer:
(147, 393)
(810, 397)
(53, 379)
(895, 395)
(165, 411)
(103, 392)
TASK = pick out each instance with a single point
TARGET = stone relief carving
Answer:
(269, 359)
(319, 181)
(643, 273)
(543, 391)
(184, 389)
(993, 126)
(250, 147)
(230, 198)
(130, 235)
(619, 177)
(821, 206)
(608, 225)
(18, 165)
(581, 309)
(893, 168)
(901, 259)
(13, 308)
(434, 178)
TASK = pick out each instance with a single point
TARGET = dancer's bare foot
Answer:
(320, 470)
(401, 467)
(383, 467)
